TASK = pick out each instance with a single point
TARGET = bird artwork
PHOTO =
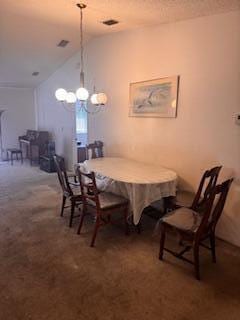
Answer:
(156, 98)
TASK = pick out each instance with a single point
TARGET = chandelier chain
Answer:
(82, 94)
(81, 38)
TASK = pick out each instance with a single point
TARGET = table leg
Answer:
(27, 151)
(39, 154)
(11, 158)
(30, 154)
(21, 157)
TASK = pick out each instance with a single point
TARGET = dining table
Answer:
(139, 182)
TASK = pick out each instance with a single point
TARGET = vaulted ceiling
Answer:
(31, 29)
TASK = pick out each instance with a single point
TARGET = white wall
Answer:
(19, 115)
(205, 53)
(52, 115)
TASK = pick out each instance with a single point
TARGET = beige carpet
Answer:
(47, 272)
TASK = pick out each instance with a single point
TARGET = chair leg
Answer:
(213, 250)
(126, 221)
(21, 157)
(72, 212)
(196, 260)
(81, 221)
(162, 241)
(96, 227)
(63, 205)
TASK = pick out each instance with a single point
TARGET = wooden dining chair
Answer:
(191, 199)
(94, 150)
(185, 198)
(67, 192)
(195, 226)
(104, 204)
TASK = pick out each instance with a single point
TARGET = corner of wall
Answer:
(36, 108)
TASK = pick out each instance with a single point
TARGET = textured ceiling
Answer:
(30, 29)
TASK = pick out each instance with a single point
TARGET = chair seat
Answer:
(109, 200)
(183, 219)
(184, 198)
(76, 196)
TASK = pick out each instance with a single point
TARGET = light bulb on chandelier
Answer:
(82, 94)
(61, 94)
(71, 97)
(99, 99)
(94, 99)
(102, 98)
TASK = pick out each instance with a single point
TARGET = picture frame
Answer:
(154, 98)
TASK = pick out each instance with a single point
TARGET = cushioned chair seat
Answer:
(184, 219)
(109, 200)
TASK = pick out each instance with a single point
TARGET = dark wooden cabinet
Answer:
(47, 164)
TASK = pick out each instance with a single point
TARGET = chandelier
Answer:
(81, 96)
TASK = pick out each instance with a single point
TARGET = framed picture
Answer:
(154, 98)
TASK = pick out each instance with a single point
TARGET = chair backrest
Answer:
(216, 202)
(88, 187)
(62, 175)
(207, 183)
(94, 150)
(222, 190)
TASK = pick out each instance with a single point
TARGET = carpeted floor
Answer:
(47, 272)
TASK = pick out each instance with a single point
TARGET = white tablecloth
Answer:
(141, 183)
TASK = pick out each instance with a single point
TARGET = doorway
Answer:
(81, 132)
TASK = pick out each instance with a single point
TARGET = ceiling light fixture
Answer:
(110, 22)
(63, 43)
(81, 95)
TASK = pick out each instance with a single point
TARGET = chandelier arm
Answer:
(66, 107)
(71, 107)
(98, 108)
